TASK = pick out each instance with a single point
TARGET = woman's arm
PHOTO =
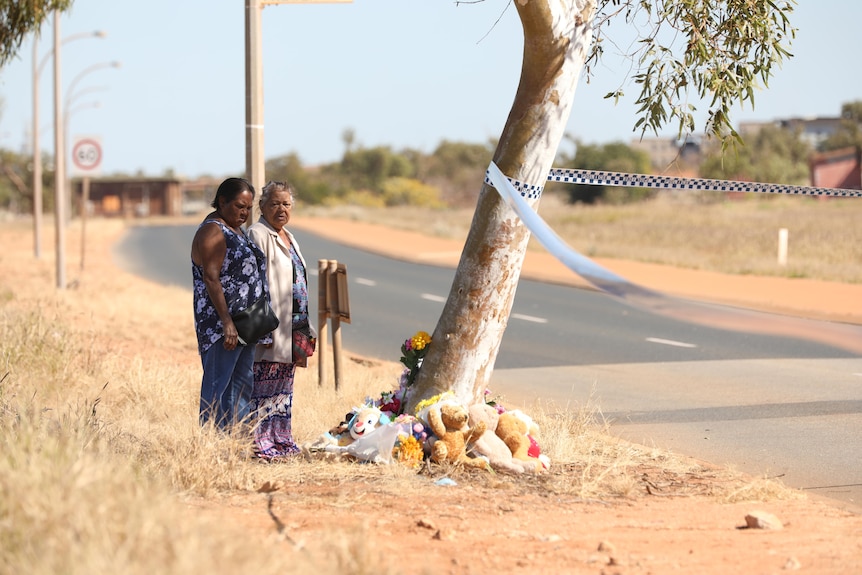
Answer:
(208, 251)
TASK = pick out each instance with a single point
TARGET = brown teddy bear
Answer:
(448, 422)
(490, 446)
(514, 431)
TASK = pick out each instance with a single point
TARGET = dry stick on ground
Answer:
(280, 526)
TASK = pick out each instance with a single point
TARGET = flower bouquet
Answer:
(413, 350)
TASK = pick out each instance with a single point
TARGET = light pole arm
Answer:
(70, 98)
(85, 71)
(66, 40)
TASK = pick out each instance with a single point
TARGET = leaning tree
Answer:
(716, 50)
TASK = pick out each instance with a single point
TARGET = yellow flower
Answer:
(420, 340)
(432, 400)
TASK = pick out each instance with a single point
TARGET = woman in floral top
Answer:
(229, 274)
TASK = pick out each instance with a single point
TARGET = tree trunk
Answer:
(465, 342)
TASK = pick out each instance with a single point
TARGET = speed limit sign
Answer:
(87, 155)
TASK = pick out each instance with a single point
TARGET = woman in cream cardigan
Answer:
(274, 364)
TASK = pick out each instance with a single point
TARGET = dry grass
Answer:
(737, 236)
(101, 454)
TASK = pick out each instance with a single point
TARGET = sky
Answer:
(399, 73)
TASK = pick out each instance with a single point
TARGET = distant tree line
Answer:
(452, 175)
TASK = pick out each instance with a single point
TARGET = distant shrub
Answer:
(410, 192)
(364, 198)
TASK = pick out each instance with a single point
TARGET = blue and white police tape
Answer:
(625, 180)
(845, 336)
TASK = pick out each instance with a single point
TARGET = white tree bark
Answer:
(466, 340)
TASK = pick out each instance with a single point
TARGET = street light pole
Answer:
(38, 66)
(37, 156)
(254, 158)
(59, 163)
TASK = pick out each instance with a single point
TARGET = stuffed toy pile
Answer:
(443, 431)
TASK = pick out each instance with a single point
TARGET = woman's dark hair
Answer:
(229, 189)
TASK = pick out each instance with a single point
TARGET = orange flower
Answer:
(409, 451)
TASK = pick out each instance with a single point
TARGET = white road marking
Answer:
(531, 318)
(859, 374)
(432, 297)
(670, 342)
(365, 282)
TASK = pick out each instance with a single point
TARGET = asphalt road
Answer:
(775, 406)
(550, 325)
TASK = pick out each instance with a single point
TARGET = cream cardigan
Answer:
(279, 271)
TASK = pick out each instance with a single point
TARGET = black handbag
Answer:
(255, 321)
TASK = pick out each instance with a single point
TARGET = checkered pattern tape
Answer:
(665, 183)
(597, 178)
(528, 191)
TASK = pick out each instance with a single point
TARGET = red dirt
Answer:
(479, 527)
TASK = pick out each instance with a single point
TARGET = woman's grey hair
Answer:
(273, 186)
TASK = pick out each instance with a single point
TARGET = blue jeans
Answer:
(227, 384)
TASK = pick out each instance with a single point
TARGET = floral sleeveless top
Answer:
(243, 279)
(300, 290)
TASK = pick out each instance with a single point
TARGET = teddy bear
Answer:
(448, 422)
(514, 428)
(490, 446)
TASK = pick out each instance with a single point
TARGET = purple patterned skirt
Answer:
(271, 403)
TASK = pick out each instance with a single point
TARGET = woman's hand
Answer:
(231, 337)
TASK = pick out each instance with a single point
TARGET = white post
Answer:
(85, 200)
(782, 246)
(37, 155)
(59, 163)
